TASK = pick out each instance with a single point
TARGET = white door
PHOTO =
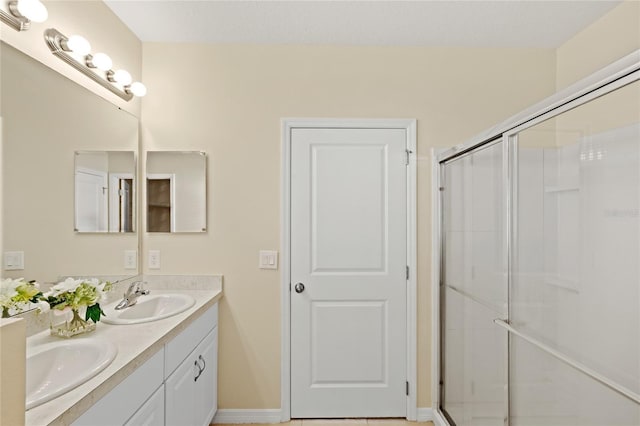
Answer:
(91, 201)
(349, 251)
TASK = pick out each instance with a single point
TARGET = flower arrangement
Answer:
(69, 295)
(75, 294)
(17, 294)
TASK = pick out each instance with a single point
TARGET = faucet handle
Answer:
(140, 290)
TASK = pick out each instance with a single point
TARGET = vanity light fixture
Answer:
(101, 61)
(23, 12)
(138, 89)
(77, 45)
(120, 76)
(75, 51)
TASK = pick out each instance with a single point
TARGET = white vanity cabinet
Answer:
(191, 367)
(176, 386)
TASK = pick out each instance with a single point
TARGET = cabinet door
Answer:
(207, 383)
(181, 394)
(191, 391)
(151, 413)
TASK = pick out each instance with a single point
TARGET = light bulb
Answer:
(138, 89)
(78, 45)
(33, 10)
(122, 77)
(102, 61)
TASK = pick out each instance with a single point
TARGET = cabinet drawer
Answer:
(181, 346)
(122, 401)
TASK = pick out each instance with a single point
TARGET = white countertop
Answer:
(136, 343)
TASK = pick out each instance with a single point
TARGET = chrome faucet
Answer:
(130, 298)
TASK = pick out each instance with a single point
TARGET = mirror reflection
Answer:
(176, 191)
(104, 191)
(46, 119)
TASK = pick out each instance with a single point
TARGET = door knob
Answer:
(299, 288)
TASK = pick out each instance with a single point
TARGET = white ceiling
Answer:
(477, 23)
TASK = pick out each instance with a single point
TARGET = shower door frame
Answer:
(620, 73)
(439, 258)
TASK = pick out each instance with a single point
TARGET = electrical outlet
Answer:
(154, 259)
(13, 260)
(130, 259)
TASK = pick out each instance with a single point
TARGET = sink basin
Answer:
(149, 308)
(55, 368)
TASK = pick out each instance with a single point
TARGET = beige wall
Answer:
(229, 100)
(611, 37)
(93, 20)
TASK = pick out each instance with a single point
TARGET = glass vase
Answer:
(72, 326)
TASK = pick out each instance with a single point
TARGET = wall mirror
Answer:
(176, 191)
(46, 119)
(105, 191)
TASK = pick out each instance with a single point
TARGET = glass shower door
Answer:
(473, 290)
(540, 269)
(575, 285)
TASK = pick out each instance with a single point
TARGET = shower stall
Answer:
(538, 264)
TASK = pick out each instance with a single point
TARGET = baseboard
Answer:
(428, 414)
(424, 415)
(240, 416)
(237, 416)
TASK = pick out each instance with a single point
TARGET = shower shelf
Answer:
(555, 189)
(563, 283)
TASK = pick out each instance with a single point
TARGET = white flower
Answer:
(15, 294)
(8, 290)
(68, 285)
(42, 306)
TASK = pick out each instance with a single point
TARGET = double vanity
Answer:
(151, 363)
(155, 358)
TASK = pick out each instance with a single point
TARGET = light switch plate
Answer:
(130, 259)
(13, 260)
(268, 259)
(154, 259)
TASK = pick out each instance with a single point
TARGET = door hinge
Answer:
(441, 188)
(407, 387)
(408, 152)
(289, 287)
(407, 272)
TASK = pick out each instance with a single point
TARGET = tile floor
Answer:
(347, 422)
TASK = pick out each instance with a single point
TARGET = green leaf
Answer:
(93, 313)
(36, 298)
